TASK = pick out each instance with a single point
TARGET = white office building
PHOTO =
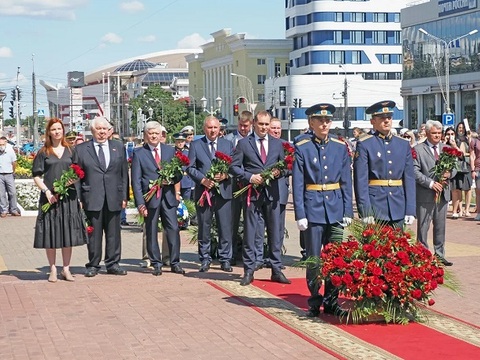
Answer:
(347, 53)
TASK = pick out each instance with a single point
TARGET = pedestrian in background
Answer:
(8, 161)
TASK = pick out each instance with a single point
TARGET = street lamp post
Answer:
(251, 102)
(212, 112)
(446, 46)
(150, 100)
(345, 102)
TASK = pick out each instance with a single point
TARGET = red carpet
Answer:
(412, 341)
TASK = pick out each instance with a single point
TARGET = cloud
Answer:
(147, 38)
(41, 9)
(191, 41)
(5, 52)
(132, 6)
(112, 38)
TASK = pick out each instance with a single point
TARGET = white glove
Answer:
(409, 219)
(347, 221)
(302, 224)
(368, 220)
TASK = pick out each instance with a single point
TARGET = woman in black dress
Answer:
(62, 226)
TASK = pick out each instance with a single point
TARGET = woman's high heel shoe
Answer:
(67, 275)
(53, 276)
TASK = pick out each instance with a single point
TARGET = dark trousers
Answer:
(270, 211)
(108, 222)
(168, 217)
(222, 210)
(317, 236)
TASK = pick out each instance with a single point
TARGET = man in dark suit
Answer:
(322, 195)
(103, 194)
(384, 182)
(244, 128)
(253, 155)
(145, 164)
(201, 154)
(429, 189)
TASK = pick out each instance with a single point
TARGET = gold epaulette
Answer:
(304, 141)
(338, 140)
(365, 137)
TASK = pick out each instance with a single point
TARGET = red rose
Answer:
(431, 302)
(347, 279)
(416, 294)
(376, 291)
(414, 154)
(336, 280)
(89, 230)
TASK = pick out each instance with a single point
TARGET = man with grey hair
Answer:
(433, 194)
(146, 162)
(8, 161)
(103, 194)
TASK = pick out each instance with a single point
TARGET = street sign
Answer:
(448, 119)
(41, 112)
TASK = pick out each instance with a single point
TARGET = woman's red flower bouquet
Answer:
(62, 186)
(220, 165)
(166, 174)
(383, 270)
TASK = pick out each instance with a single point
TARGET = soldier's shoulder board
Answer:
(365, 137)
(338, 141)
(303, 141)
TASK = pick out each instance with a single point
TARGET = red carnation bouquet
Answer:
(268, 174)
(166, 174)
(447, 161)
(220, 165)
(62, 186)
(383, 271)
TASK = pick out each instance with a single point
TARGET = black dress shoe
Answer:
(226, 267)
(334, 309)
(91, 272)
(124, 223)
(312, 312)
(177, 269)
(280, 278)
(204, 267)
(247, 279)
(444, 261)
(116, 270)
(157, 271)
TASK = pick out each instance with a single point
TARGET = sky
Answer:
(53, 37)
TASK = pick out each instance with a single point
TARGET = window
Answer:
(356, 57)
(337, 57)
(357, 17)
(339, 17)
(261, 98)
(379, 37)
(337, 37)
(397, 37)
(396, 17)
(357, 37)
(287, 69)
(261, 79)
(278, 70)
(380, 17)
(260, 61)
(385, 58)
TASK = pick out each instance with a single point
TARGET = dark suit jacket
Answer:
(98, 184)
(201, 161)
(422, 167)
(247, 161)
(144, 169)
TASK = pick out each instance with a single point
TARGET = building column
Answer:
(420, 112)
(407, 121)
(477, 106)
(458, 107)
(438, 104)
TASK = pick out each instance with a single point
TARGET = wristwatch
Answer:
(44, 190)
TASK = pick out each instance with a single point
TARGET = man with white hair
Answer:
(103, 194)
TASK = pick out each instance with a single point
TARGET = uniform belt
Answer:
(390, 182)
(6, 173)
(323, 187)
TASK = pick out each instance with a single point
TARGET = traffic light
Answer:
(295, 102)
(292, 116)
(299, 103)
(235, 110)
(11, 112)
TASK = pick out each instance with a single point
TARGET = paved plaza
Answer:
(141, 316)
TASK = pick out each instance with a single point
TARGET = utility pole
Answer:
(345, 106)
(17, 107)
(35, 113)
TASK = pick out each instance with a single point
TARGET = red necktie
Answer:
(157, 156)
(435, 152)
(263, 153)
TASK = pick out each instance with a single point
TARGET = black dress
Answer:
(63, 224)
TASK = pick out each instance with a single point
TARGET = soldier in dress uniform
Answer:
(322, 197)
(384, 180)
(223, 127)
